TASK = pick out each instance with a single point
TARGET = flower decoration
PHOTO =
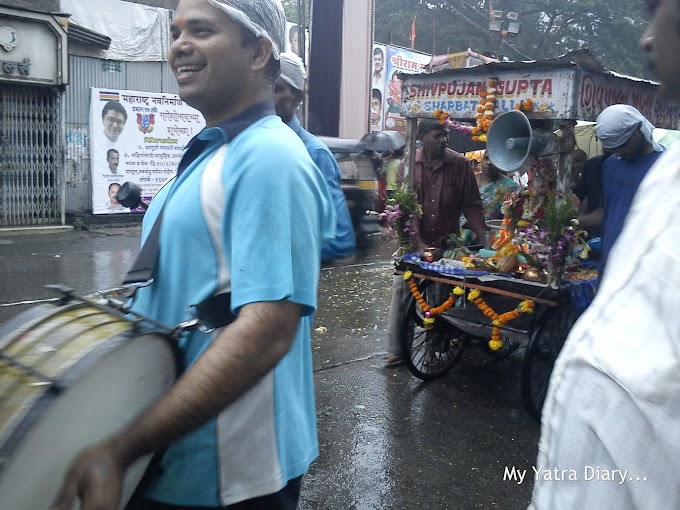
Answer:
(428, 311)
(401, 213)
(483, 118)
(553, 238)
(498, 320)
(444, 120)
(526, 105)
(485, 112)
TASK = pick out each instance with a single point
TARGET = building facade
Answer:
(33, 78)
(51, 53)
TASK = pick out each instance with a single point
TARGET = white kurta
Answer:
(612, 414)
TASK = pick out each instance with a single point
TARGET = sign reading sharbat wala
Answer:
(136, 137)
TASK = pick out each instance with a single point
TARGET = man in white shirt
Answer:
(610, 434)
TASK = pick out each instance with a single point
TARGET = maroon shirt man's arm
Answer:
(472, 207)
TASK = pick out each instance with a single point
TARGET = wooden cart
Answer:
(431, 353)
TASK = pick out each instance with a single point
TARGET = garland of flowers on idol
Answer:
(497, 320)
(428, 311)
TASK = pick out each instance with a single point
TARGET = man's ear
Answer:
(262, 54)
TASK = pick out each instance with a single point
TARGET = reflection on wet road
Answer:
(391, 441)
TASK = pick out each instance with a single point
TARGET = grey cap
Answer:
(264, 18)
(293, 70)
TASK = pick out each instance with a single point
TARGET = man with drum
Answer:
(239, 425)
(611, 419)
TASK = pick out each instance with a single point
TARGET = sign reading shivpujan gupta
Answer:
(136, 137)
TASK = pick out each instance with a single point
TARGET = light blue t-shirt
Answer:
(248, 217)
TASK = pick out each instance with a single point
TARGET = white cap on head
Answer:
(293, 70)
(264, 18)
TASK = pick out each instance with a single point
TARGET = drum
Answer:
(70, 376)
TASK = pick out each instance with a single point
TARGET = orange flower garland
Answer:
(525, 105)
(428, 321)
(497, 321)
(485, 111)
(483, 118)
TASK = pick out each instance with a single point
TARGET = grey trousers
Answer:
(400, 298)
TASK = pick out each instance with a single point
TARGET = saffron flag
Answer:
(412, 37)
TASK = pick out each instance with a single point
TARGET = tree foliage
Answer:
(549, 28)
(290, 8)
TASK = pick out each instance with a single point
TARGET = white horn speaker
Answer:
(511, 140)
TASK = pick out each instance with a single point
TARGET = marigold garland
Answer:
(485, 112)
(497, 320)
(483, 118)
(428, 311)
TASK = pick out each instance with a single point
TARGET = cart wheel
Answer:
(429, 354)
(544, 346)
(509, 346)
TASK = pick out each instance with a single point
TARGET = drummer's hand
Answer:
(96, 477)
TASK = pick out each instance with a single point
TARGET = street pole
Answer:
(434, 33)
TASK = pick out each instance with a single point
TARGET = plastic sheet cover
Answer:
(137, 32)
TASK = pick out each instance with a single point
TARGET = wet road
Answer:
(387, 440)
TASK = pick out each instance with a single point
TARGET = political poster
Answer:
(399, 60)
(292, 43)
(377, 87)
(136, 137)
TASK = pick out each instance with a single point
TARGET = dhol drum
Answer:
(70, 376)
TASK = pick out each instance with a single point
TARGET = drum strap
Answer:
(142, 268)
(144, 264)
(214, 312)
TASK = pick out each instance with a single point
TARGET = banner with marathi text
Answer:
(399, 60)
(136, 137)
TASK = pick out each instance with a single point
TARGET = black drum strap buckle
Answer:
(214, 312)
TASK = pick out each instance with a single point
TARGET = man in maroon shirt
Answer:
(446, 186)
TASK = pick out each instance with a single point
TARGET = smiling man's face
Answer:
(210, 60)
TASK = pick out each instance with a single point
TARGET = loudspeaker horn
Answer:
(511, 140)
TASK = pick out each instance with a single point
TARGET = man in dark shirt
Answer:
(588, 188)
(624, 131)
(446, 187)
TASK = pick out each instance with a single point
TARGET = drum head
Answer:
(101, 396)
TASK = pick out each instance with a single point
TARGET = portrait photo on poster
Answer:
(376, 110)
(112, 204)
(292, 41)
